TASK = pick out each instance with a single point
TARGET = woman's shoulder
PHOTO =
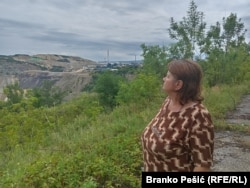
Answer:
(201, 111)
(197, 107)
(202, 107)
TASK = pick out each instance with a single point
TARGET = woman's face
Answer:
(169, 84)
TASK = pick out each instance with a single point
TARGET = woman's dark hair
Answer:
(190, 73)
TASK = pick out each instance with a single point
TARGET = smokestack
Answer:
(108, 56)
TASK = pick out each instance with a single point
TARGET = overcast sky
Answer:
(91, 28)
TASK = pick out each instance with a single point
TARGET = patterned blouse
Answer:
(178, 141)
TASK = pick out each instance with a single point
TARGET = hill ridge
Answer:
(31, 70)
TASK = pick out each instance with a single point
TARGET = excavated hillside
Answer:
(67, 72)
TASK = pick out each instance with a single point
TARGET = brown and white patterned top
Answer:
(178, 141)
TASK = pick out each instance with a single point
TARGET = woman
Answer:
(181, 135)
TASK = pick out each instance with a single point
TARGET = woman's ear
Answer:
(178, 85)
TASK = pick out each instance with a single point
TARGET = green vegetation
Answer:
(93, 141)
(75, 144)
(57, 69)
(45, 95)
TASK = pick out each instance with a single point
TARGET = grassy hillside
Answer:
(76, 144)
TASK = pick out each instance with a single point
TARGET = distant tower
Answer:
(108, 56)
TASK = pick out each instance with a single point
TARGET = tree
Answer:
(213, 40)
(144, 88)
(155, 59)
(47, 94)
(107, 87)
(225, 50)
(234, 32)
(190, 33)
(14, 93)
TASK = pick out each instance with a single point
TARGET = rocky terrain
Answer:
(67, 72)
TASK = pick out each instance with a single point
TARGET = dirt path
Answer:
(241, 115)
(232, 149)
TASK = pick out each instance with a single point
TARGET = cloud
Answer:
(88, 28)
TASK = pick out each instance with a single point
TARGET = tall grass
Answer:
(221, 99)
(101, 150)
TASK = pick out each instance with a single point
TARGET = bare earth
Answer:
(232, 152)
(232, 149)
